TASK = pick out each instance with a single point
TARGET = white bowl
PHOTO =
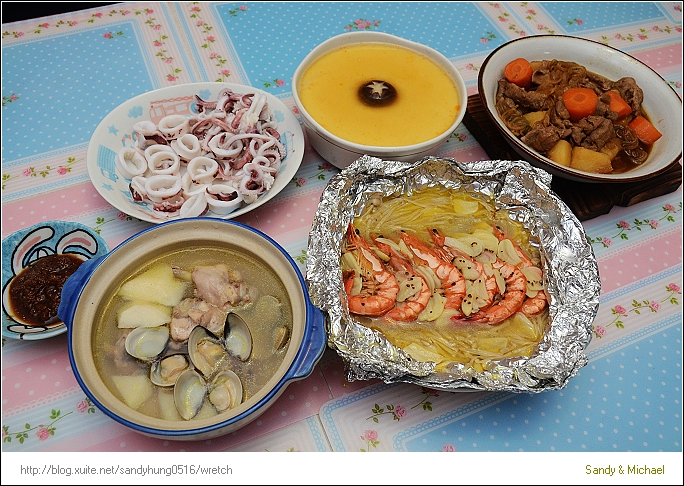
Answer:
(661, 102)
(340, 152)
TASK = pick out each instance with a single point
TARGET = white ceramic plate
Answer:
(115, 131)
(661, 102)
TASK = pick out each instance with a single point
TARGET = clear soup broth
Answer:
(267, 312)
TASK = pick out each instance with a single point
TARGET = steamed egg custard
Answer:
(379, 94)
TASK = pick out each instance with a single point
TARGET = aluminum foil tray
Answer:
(567, 259)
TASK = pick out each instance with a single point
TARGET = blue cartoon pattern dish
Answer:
(25, 247)
(119, 133)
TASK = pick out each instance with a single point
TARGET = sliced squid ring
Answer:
(173, 126)
(203, 169)
(223, 198)
(190, 188)
(161, 187)
(164, 163)
(187, 146)
(195, 205)
(130, 163)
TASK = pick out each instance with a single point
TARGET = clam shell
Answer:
(238, 338)
(188, 393)
(206, 351)
(225, 391)
(146, 343)
(165, 371)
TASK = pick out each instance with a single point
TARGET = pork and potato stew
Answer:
(576, 118)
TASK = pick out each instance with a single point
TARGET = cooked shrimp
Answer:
(513, 296)
(453, 283)
(378, 287)
(408, 309)
(471, 270)
(531, 305)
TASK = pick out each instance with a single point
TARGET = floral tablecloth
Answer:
(62, 74)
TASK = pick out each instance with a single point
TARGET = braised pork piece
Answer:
(575, 117)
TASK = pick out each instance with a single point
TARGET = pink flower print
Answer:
(370, 435)
(607, 242)
(301, 181)
(42, 433)
(44, 25)
(280, 82)
(157, 27)
(670, 208)
(62, 171)
(483, 40)
(327, 166)
(641, 37)
(195, 9)
(210, 38)
(674, 288)
(618, 309)
(98, 15)
(225, 72)
(655, 306)
(579, 21)
(149, 11)
(678, 29)
(503, 19)
(448, 448)
(600, 331)
(20, 34)
(347, 27)
(108, 35)
(540, 26)
(654, 28)
(654, 224)
(295, 110)
(200, 23)
(243, 7)
(158, 43)
(126, 12)
(121, 216)
(168, 60)
(213, 55)
(13, 97)
(469, 67)
(171, 77)
(618, 36)
(399, 411)
(531, 12)
(624, 224)
(27, 172)
(82, 406)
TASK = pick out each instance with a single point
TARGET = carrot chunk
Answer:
(519, 71)
(619, 105)
(580, 102)
(645, 131)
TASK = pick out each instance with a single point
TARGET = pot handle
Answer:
(71, 291)
(313, 345)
